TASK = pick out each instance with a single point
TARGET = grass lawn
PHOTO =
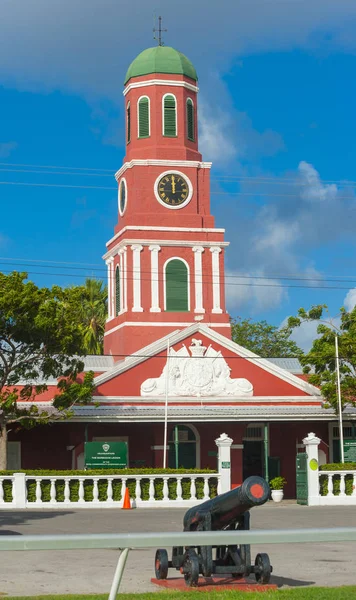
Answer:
(301, 593)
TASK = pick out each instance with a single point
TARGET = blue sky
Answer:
(277, 97)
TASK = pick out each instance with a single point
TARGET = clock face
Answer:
(173, 190)
(122, 196)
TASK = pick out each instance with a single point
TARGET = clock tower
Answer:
(166, 259)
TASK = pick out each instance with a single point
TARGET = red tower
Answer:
(166, 259)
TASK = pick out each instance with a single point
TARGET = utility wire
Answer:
(212, 193)
(226, 178)
(271, 285)
(133, 270)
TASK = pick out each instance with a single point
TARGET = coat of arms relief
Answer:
(201, 372)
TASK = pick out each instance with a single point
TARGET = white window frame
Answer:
(175, 99)
(122, 180)
(164, 280)
(128, 107)
(186, 116)
(138, 117)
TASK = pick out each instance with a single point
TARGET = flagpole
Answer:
(341, 431)
(166, 410)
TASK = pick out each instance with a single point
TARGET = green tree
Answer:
(91, 300)
(320, 361)
(266, 340)
(39, 339)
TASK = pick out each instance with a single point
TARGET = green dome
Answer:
(161, 59)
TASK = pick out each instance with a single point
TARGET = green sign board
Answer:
(350, 450)
(225, 465)
(105, 455)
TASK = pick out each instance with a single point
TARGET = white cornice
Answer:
(216, 400)
(175, 229)
(170, 243)
(157, 162)
(159, 324)
(168, 82)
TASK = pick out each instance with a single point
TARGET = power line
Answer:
(160, 280)
(243, 276)
(212, 193)
(297, 276)
(251, 178)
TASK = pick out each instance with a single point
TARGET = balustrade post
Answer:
(224, 461)
(138, 489)
(206, 489)
(342, 484)
(53, 491)
(330, 485)
(179, 488)
(311, 443)
(354, 485)
(109, 490)
(19, 490)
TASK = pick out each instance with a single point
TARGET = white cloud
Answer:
(350, 300)
(87, 51)
(6, 148)
(312, 187)
(257, 295)
(304, 335)
(215, 139)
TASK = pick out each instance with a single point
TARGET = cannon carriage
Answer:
(229, 511)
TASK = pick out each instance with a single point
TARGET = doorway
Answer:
(252, 458)
(182, 452)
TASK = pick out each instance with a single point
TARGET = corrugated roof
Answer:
(206, 412)
(289, 364)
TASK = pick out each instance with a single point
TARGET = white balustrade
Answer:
(62, 496)
(341, 497)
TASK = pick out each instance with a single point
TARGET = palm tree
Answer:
(93, 314)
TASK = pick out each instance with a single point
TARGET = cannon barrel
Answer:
(225, 509)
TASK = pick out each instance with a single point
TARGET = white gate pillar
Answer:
(311, 443)
(224, 462)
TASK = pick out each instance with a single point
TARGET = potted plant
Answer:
(277, 484)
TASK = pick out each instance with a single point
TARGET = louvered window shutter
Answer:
(117, 291)
(170, 128)
(190, 120)
(128, 123)
(143, 118)
(176, 286)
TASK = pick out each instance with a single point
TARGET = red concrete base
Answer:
(208, 584)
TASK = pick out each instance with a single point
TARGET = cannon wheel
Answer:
(191, 568)
(161, 564)
(262, 568)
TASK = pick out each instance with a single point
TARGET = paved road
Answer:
(89, 571)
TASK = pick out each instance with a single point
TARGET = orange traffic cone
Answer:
(127, 502)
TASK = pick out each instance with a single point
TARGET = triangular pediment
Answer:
(203, 363)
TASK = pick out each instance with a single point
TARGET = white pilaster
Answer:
(224, 462)
(125, 279)
(311, 443)
(198, 274)
(136, 277)
(154, 249)
(111, 308)
(216, 279)
(122, 293)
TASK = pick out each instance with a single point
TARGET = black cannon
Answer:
(229, 511)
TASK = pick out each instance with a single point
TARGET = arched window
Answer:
(143, 117)
(190, 120)
(176, 286)
(169, 116)
(117, 291)
(128, 122)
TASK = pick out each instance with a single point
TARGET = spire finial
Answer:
(159, 31)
